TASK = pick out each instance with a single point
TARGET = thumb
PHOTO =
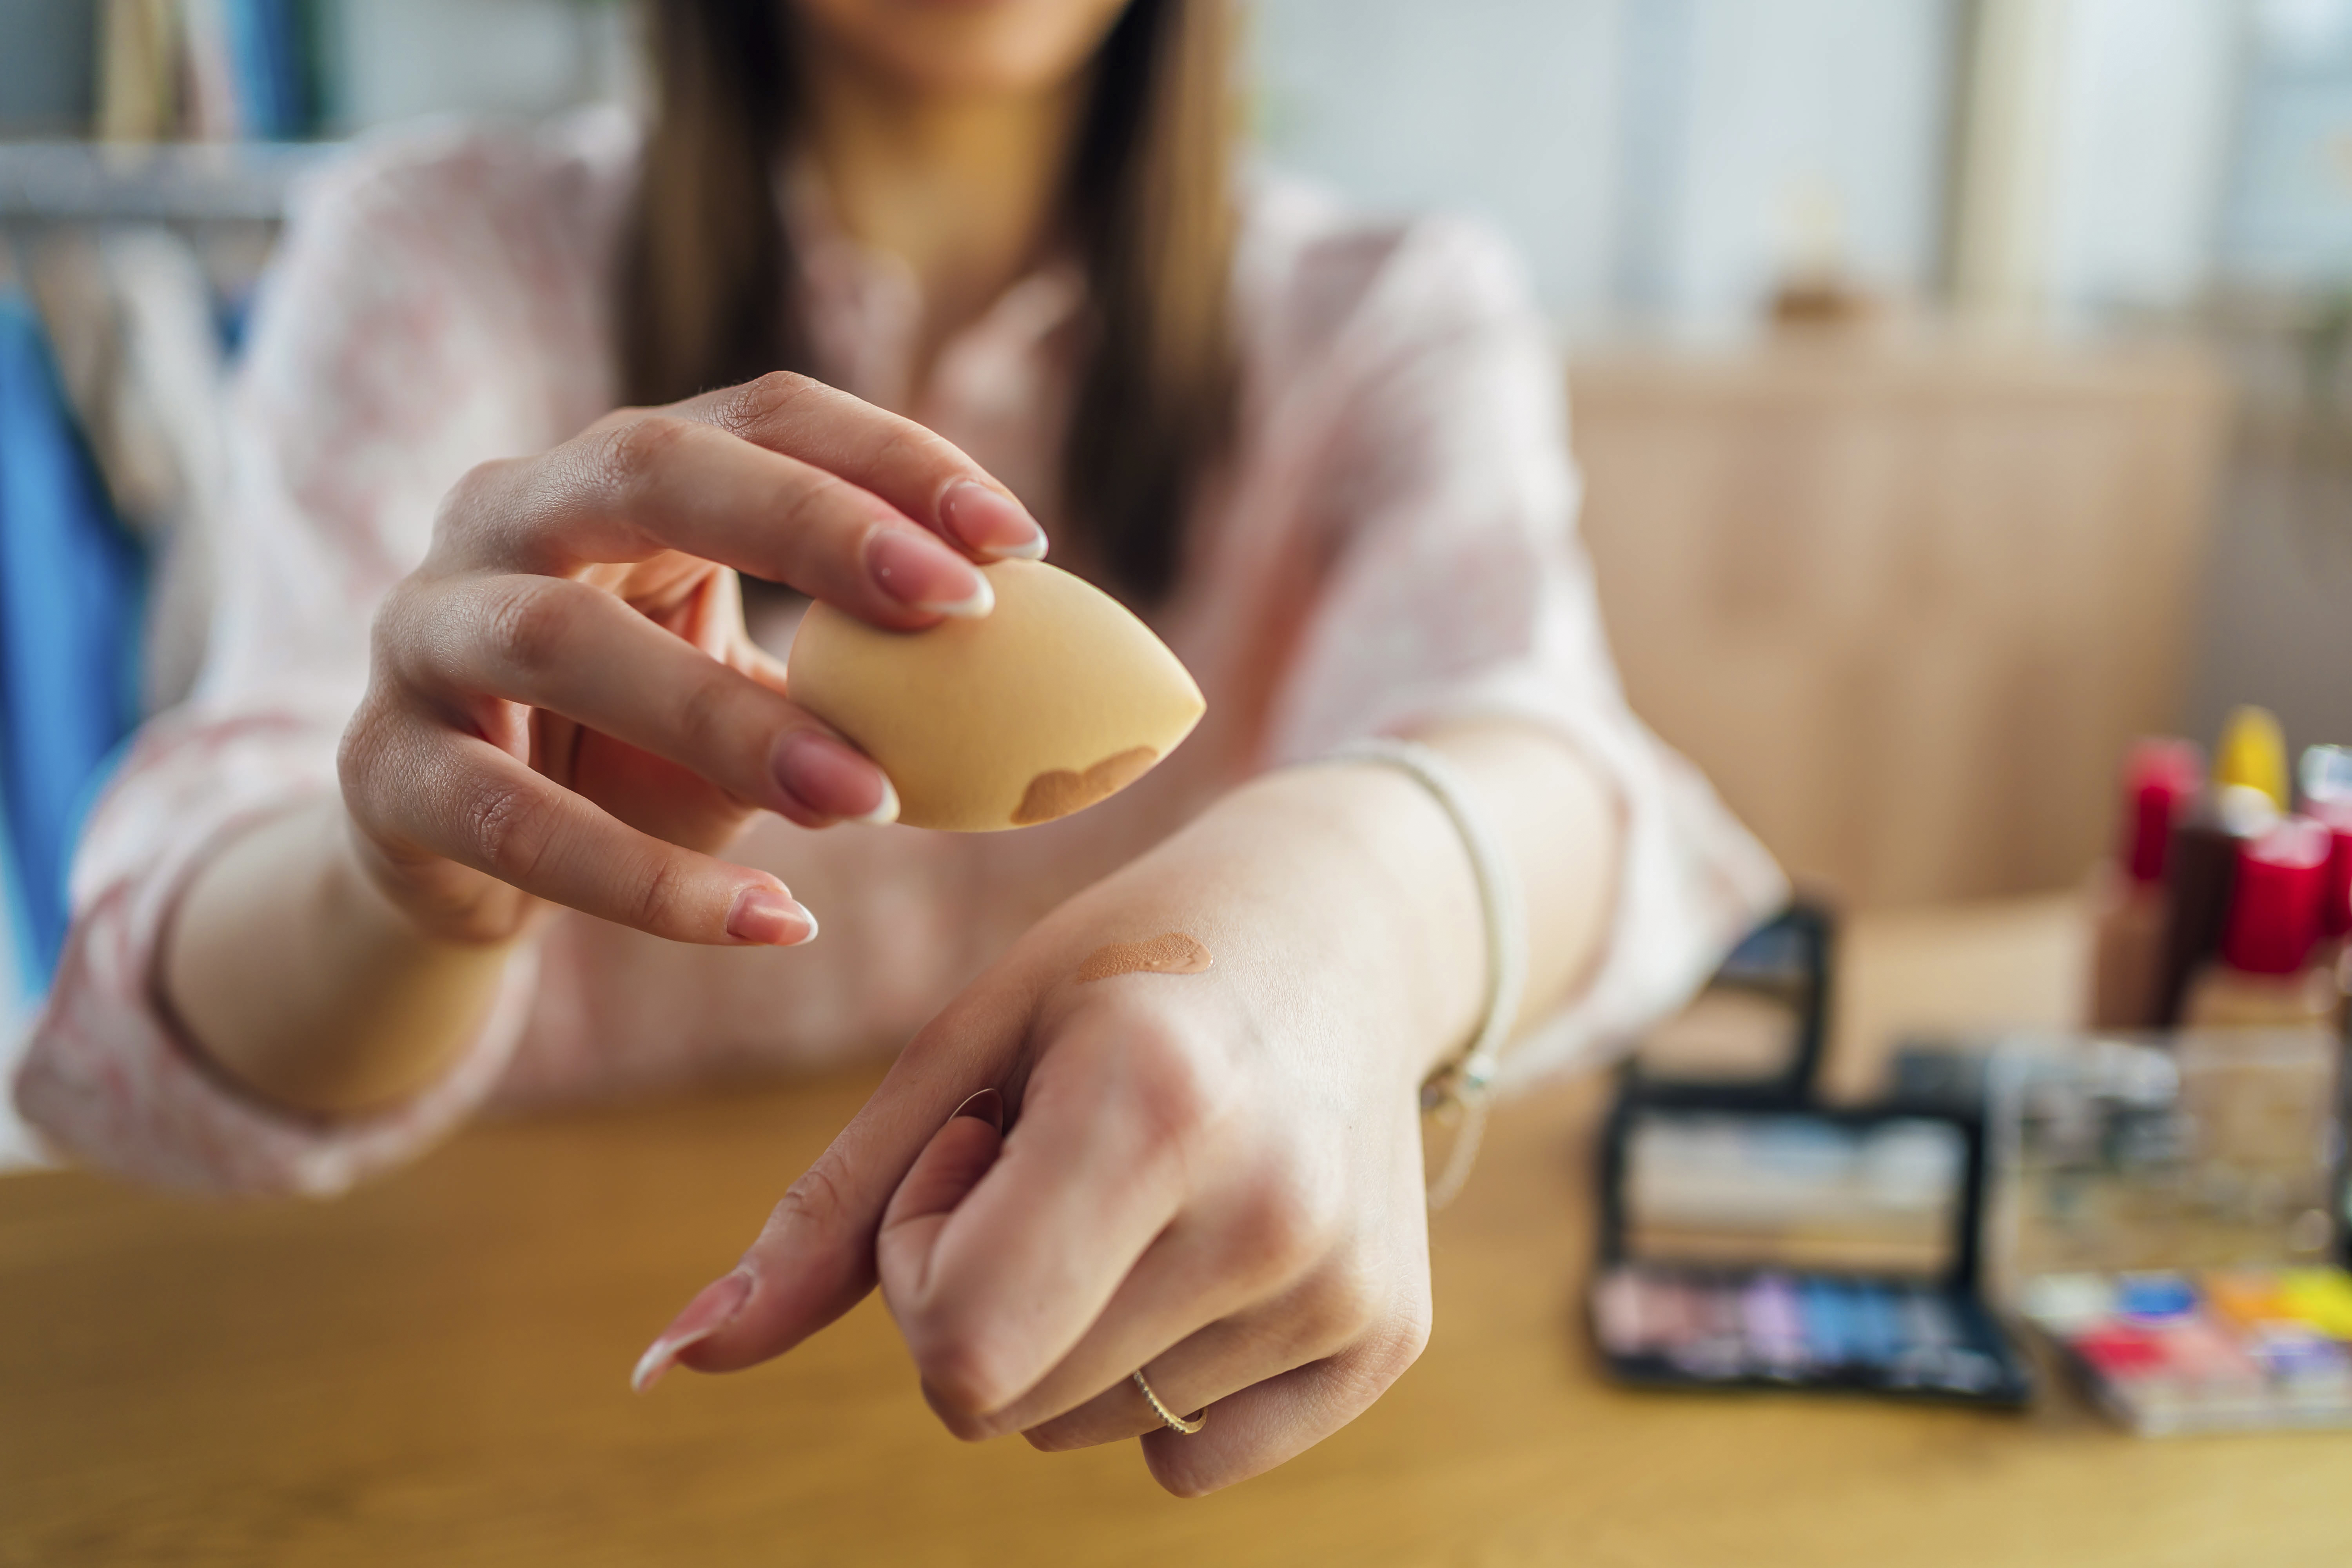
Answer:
(950, 1166)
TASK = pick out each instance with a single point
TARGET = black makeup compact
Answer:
(1748, 1245)
(1757, 1025)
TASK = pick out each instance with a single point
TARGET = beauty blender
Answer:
(1053, 700)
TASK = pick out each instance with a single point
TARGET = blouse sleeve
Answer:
(1457, 588)
(374, 378)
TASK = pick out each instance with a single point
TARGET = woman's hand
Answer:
(564, 705)
(1213, 1176)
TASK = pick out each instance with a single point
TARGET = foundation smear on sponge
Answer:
(1062, 792)
(1172, 953)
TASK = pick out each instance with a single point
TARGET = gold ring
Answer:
(1175, 1423)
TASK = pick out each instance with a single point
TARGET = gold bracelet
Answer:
(1462, 1087)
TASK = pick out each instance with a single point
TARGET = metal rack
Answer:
(87, 182)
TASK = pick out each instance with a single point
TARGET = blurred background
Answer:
(1961, 384)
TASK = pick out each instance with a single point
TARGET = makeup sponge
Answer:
(1053, 700)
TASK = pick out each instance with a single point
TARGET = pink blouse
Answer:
(1391, 541)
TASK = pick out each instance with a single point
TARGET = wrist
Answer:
(1379, 854)
(295, 979)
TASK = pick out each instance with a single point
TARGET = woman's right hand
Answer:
(564, 704)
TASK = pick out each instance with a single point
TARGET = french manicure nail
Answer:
(886, 809)
(987, 1105)
(714, 1306)
(975, 607)
(769, 919)
(990, 522)
(831, 780)
(917, 569)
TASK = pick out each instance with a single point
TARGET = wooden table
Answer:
(434, 1371)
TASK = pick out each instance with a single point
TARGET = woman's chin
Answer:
(963, 48)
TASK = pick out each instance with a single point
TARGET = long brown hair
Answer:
(706, 260)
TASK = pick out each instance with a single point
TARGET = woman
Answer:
(1004, 245)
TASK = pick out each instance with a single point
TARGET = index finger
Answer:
(922, 474)
(815, 1258)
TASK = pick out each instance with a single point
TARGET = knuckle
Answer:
(1181, 1084)
(1397, 1341)
(1279, 1227)
(960, 1379)
(528, 623)
(817, 1201)
(907, 443)
(660, 895)
(1291, 1213)
(366, 759)
(467, 505)
(633, 448)
(811, 498)
(363, 743)
(505, 827)
(402, 624)
(380, 757)
(964, 1429)
(769, 397)
(706, 712)
(1342, 1309)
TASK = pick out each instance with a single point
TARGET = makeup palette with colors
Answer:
(1746, 1243)
(1776, 1330)
(2221, 1351)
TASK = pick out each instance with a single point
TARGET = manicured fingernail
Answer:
(990, 522)
(917, 569)
(772, 918)
(831, 780)
(987, 1106)
(886, 810)
(718, 1304)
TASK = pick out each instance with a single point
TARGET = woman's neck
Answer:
(963, 189)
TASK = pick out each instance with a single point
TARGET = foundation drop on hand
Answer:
(1172, 953)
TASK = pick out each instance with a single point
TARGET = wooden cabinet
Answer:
(1904, 603)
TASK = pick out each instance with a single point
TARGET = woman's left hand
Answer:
(1215, 1177)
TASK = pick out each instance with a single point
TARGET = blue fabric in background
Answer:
(268, 52)
(72, 590)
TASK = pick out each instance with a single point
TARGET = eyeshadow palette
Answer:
(1673, 1326)
(1753, 1244)
(2219, 1350)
